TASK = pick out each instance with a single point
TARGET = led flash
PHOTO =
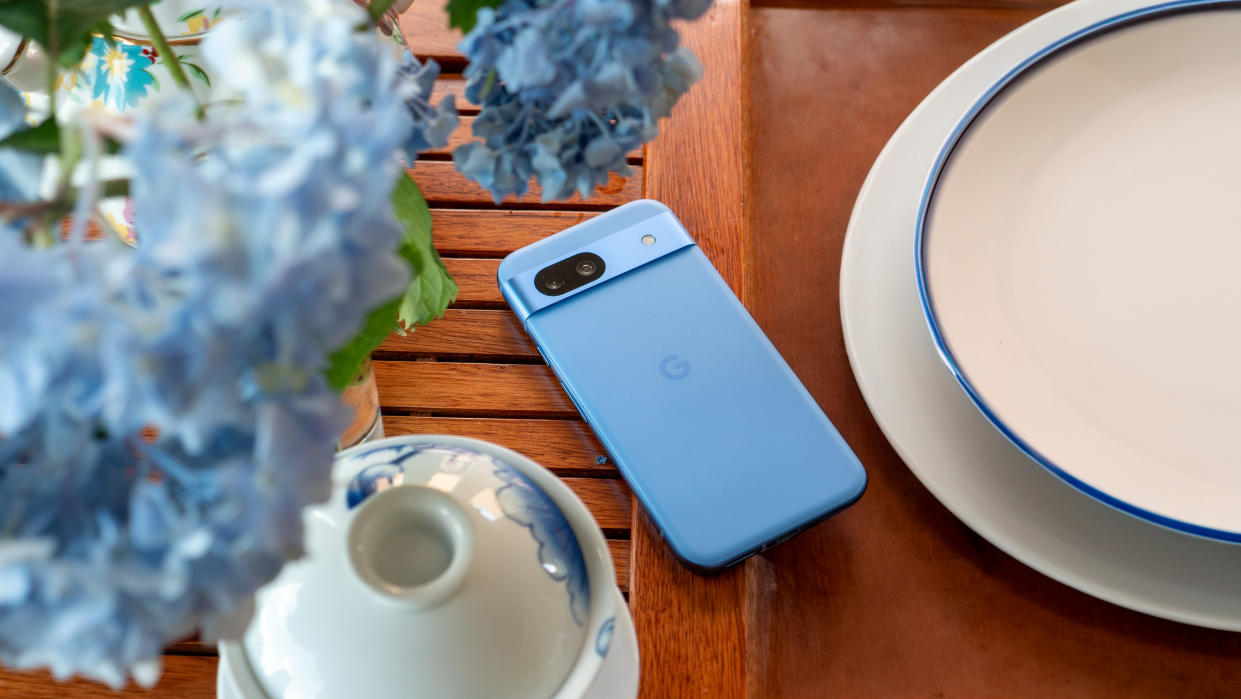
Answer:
(648, 239)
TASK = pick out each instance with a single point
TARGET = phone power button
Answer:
(563, 387)
(573, 400)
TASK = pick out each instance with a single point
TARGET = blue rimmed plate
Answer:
(1079, 260)
(941, 435)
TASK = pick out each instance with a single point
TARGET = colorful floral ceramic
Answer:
(119, 72)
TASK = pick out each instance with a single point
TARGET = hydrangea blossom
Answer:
(432, 125)
(568, 87)
(266, 235)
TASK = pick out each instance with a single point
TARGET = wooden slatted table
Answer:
(475, 372)
(894, 597)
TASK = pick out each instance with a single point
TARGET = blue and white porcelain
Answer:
(440, 567)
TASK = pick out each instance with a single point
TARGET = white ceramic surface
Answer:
(178, 19)
(617, 679)
(441, 566)
(1083, 261)
(960, 457)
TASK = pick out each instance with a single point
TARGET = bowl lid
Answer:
(440, 567)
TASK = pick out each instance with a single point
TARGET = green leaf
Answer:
(428, 294)
(62, 27)
(43, 138)
(190, 15)
(343, 364)
(432, 289)
(197, 72)
(464, 13)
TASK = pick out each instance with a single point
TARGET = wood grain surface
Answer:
(491, 233)
(476, 282)
(567, 447)
(442, 185)
(463, 333)
(464, 133)
(692, 628)
(425, 26)
(895, 597)
(452, 85)
(472, 389)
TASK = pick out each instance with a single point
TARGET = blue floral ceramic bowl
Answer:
(440, 567)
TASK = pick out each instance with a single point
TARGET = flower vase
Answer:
(361, 396)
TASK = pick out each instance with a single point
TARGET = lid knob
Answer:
(410, 546)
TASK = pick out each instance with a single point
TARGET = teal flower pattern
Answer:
(120, 73)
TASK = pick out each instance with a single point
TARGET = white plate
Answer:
(960, 457)
(617, 678)
(1081, 262)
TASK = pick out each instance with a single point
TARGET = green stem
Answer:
(377, 8)
(47, 230)
(114, 188)
(487, 85)
(165, 52)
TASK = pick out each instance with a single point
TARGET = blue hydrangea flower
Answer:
(164, 415)
(432, 125)
(568, 88)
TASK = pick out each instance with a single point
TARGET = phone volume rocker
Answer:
(573, 399)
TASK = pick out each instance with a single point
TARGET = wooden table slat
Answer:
(472, 390)
(492, 334)
(452, 85)
(609, 501)
(425, 26)
(564, 446)
(464, 134)
(619, 548)
(476, 281)
(441, 184)
(184, 677)
(491, 233)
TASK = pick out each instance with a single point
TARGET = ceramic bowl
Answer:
(440, 567)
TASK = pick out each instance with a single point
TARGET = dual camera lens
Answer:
(569, 274)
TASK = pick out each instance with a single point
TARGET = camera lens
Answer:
(573, 272)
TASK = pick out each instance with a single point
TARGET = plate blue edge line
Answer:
(928, 312)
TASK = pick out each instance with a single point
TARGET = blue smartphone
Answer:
(719, 440)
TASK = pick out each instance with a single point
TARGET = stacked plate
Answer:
(1041, 294)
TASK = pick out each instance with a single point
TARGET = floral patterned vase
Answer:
(119, 73)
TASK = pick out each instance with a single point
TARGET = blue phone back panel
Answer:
(715, 434)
